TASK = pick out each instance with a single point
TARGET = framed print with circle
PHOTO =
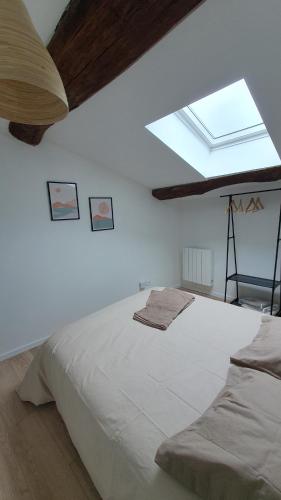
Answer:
(63, 200)
(101, 213)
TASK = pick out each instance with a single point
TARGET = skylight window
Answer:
(225, 117)
(228, 111)
(220, 134)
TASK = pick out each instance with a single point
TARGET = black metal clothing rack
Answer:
(243, 278)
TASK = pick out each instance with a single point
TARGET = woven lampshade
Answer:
(31, 90)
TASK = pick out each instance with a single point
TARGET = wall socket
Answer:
(143, 285)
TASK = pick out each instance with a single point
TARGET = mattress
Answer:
(122, 387)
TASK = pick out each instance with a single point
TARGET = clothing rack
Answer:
(273, 283)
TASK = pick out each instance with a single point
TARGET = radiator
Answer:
(198, 266)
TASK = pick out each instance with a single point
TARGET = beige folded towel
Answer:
(163, 307)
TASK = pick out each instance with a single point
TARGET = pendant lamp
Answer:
(31, 89)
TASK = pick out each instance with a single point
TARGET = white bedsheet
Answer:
(122, 387)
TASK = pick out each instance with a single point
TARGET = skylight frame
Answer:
(188, 118)
(231, 110)
(238, 131)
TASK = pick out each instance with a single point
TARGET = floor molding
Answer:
(211, 294)
(220, 295)
(22, 348)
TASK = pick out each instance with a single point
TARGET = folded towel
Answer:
(163, 307)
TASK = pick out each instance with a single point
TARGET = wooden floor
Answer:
(37, 458)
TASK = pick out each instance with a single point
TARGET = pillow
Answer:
(233, 451)
(264, 353)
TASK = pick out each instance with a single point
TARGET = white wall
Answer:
(55, 272)
(204, 225)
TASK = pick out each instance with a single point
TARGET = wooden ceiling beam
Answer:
(195, 188)
(96, 40)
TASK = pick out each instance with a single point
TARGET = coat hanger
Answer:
(254, 205)
(251, 207)
(240, 208)
(232, 206)
(259, 204)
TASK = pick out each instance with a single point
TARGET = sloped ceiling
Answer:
(45, 15)
(221, 42)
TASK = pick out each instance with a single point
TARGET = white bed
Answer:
(122, 388)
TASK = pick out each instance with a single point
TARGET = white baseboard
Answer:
(208, 291)
(22, 348)
(220, 295)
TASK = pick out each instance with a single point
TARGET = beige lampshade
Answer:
(31, 90)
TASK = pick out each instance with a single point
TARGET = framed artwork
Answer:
(63, 200)
(101, 213)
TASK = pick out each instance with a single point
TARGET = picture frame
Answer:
(101, 213)
(63, 200)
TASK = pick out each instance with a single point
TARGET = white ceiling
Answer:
(45, 15)
(221, 42)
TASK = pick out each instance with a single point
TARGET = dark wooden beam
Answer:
(96, 40)
(183, 190)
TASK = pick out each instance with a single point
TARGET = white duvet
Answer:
(122, 388)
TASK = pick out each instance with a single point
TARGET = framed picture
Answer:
(63, 200)
(101, 213)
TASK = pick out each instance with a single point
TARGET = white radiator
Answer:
(198, 266)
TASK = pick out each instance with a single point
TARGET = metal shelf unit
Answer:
(244, 278)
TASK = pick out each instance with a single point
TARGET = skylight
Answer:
(225, 117)
(220, 134)
(227, 111)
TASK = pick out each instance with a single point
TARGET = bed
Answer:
(122, 388)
